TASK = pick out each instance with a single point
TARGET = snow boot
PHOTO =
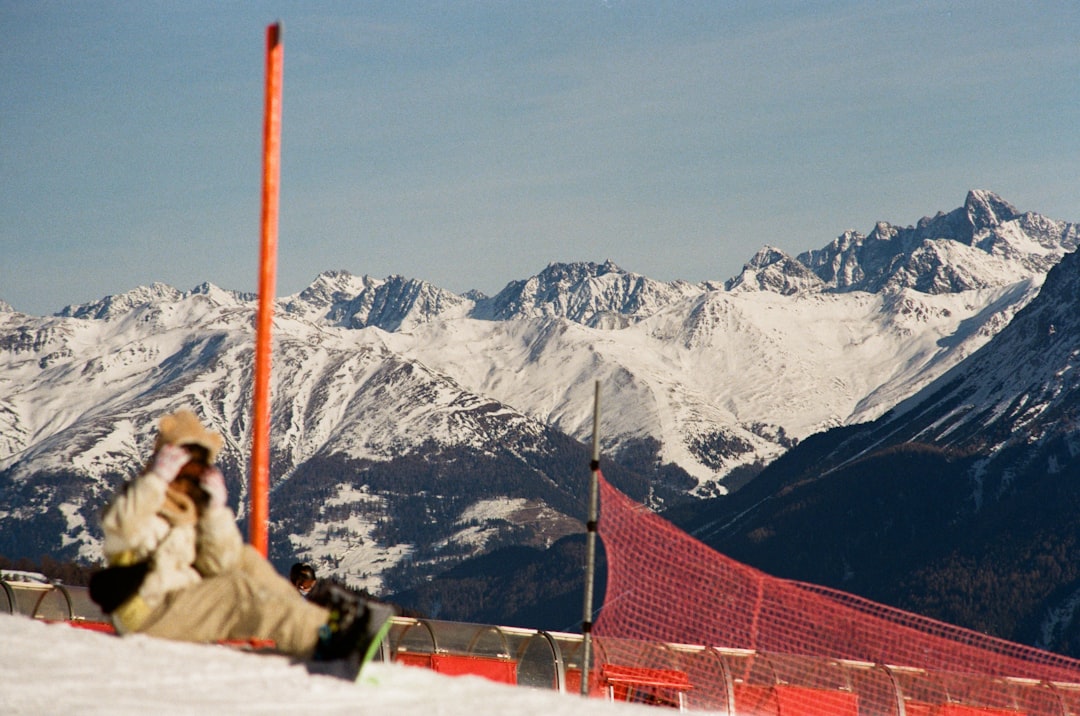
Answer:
(352, 634)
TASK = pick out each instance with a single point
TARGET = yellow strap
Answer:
(123, 559)
(130, 615)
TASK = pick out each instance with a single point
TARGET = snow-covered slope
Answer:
(413, 426)
(1016, 402)
(57, 669)
(722, 378)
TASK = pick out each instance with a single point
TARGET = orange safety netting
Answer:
(664, 586)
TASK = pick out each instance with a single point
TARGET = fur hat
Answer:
(183, 428)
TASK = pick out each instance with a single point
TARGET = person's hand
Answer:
(168, 460)
(214, 483)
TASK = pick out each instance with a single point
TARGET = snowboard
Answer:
(352, 666)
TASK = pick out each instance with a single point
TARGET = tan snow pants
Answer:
(250, 602)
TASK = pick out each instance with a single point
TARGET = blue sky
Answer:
(471, 143)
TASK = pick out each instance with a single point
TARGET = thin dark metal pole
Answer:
(590, 545)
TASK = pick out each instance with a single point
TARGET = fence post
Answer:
(590, 545)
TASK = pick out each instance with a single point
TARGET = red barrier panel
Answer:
(409, 658)
(501, 670)
(961, 710)
(783, 700)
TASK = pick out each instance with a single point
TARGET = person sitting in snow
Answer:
(179, 569)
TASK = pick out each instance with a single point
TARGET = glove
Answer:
(213, 482)
(168, 460)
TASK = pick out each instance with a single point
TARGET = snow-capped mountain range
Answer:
(960, 503)
(386, 389)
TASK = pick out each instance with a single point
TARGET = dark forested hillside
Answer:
(513, 586)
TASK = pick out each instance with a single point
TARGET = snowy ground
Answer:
(56, 669)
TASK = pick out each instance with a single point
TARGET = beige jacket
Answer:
(147, 521)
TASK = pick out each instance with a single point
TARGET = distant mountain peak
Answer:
(1005, 246)
(222, 295)
(475, 295)
(772, 269)
(327, 294)
(767, 256)
(400, 302)
(559, 271)
(122, 303)
(584, 292)
(985, 209)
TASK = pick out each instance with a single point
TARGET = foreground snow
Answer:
(56, 669)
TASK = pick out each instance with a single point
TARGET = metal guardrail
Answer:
(49, 600)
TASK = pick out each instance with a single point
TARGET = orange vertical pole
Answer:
(259, 520)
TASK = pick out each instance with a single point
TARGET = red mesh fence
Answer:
(773, 640)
